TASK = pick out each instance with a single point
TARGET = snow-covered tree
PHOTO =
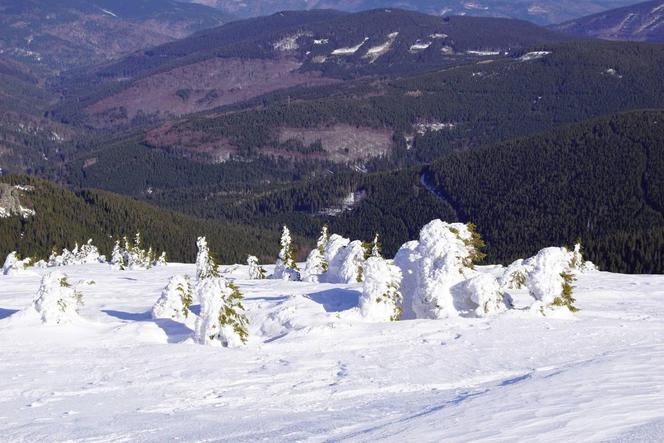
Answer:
(206, 267)
(551, 277)
(118, 256)
(286, 267)
(57, 301)
(374, 248)
(381, 298)
(14, 264)
(514, 276)
(442, 259)
(162, 260)
(485, 296)
(256, 271)
(317, 264)
(578, 264)
(88, 253)
(176, 300)
(132, 256)
(352, 262)
(222, 319)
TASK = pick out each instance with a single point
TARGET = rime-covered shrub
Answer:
(351, 263)
(86, 254)
(57, 302)
(335, 244)
(175, 300)
(286, 267)
(256, 271)
(131, 256)
(222, 320)
(551, 277)
(316, 264)
(514, 276)
(485, 296)
(14, 264)
(443, 258)
(381, 298)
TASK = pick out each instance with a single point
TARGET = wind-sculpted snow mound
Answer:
(57, 302)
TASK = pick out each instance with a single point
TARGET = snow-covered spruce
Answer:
(375, 247)
(222, 320)
(286, 267)
(578, 263)
(440, 262)
(132, 256)
(550, 278)
(86, 254)
(514, 276)
(351, 258)
(317, 264)
(14, 264)
(256, 271)
(381, 298)
(176, 300)
(333, 256)
(206, 267)
(57, 302)
(485, 295)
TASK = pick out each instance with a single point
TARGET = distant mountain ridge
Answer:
(248, 58)
(640, 22)
(537, 11)
(61, 34)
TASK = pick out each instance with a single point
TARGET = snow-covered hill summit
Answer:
(314, 369)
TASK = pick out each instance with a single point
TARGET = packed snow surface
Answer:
(314, 369)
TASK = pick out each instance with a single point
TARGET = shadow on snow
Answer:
(336, 300)
(4, 313)
(175, 331)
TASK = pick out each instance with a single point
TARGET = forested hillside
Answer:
(407, 121)
(63, 217)
(245, 59)
(599, 181)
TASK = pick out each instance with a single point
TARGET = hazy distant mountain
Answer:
(640, 22)
(60, 34)
(538, 11)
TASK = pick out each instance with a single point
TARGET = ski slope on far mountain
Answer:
(314, 370)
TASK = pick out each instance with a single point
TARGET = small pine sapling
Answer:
(256, 271)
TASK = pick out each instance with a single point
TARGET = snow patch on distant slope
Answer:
(107, 12)
(289, 43)
(419, 46)
(534, 55)
(351, 50)
(375, 52)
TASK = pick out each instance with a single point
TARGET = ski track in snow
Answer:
(314, 371)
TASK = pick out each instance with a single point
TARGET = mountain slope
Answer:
(375, 124)
(538, 11)
(249, 58)
(62, 34)
(640, 22)
(63, 217)
(600, 181)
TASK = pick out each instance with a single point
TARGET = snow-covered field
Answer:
(314, 370)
